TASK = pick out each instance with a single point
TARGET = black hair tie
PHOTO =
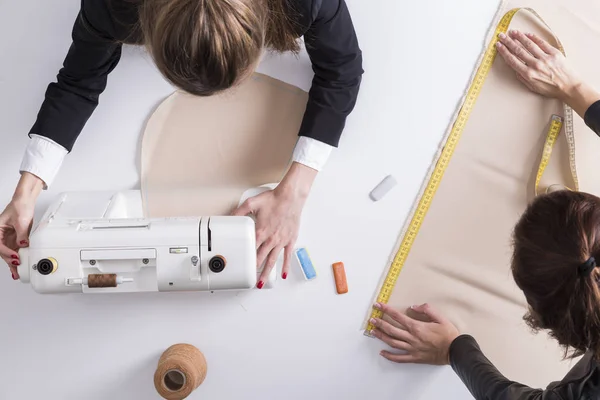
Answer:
(587, 267)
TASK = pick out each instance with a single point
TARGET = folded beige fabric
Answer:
(460, 261)
(199, 154)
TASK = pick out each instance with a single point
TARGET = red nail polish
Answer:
(284, 276)
(260, 284)
(15, 263)
(14, 277)
(23, 242)
(14, 256)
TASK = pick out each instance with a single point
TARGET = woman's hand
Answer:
(277, 213)
(545, 70)
(16, 219)
(422, 342)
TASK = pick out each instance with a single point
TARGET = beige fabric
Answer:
(199, 154)
(460, 259)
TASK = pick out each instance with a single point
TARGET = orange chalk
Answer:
(339, 274)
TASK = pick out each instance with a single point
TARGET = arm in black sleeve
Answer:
(483, 379)
(333, 49)
(71, 100)
(592, 117)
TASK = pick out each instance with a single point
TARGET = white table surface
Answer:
(298, 341)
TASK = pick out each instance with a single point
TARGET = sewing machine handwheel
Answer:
(46, 266)
(217, 264)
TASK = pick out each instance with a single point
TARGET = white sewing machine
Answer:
(98, 242)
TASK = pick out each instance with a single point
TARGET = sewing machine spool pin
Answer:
(99, 280)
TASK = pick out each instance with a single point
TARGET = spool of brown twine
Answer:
(102, 280)
(181, 369)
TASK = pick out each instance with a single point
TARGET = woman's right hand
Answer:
(421, 342)
(16, 220)
(543, 69)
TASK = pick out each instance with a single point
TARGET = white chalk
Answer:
(383, 188)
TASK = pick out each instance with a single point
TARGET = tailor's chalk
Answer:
(339, 274)
(306, 264)
(383, 188)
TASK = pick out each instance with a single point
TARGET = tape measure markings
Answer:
(448, 150)
(554, 130)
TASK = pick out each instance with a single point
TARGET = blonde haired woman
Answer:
(202, 47)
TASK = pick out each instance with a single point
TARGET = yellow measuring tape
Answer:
(556, 125)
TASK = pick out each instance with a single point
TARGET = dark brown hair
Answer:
(556, 235)
(206, 46)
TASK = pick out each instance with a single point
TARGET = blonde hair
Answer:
(206, 46)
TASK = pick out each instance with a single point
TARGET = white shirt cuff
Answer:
(311, 152)
(43, 158)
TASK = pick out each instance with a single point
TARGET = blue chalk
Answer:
(306, 264)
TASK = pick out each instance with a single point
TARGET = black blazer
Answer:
(485, 382)
(101, 28)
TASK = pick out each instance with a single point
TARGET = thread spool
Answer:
(181, 369)
(102, 280)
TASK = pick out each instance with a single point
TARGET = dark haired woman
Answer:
(556, 250)
(202, 47)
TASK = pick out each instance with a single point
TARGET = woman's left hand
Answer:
(277, 214)
(543, 69)
(423, 342)
(538, 65)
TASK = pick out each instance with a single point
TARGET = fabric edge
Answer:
(488, 37)
(164, 106)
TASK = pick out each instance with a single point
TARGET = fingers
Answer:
(287, 260)
(396, 315)
(262, 236)
(14, 272)
(542, 44)
(392, 331)
(10, 257)
(518, 53)
(15, 237)
(512, 61)
(390, 341)
(529, 44)
(246, 208)
(263, 251)
(433, 314)
(399, 358)
(22, 235)
(7, 253)
(269, 264)
(13, 262)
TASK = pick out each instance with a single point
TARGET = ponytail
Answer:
(556, 244)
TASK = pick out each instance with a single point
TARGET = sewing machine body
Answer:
(90, 234)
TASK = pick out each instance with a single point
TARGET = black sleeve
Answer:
(333, 49)
(592, 117)
(483, 379)
(71, 100)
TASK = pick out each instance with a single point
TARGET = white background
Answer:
(298, 341)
